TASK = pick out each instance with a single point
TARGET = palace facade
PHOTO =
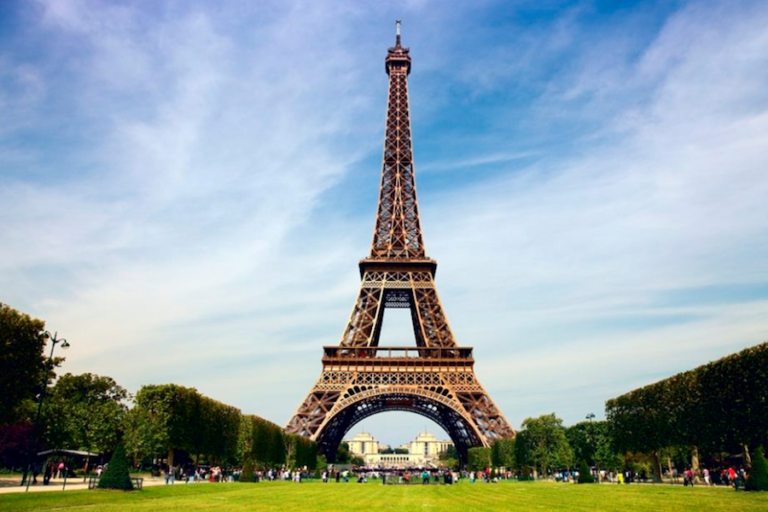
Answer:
(424, 451)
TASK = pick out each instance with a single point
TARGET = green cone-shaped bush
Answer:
(117, 475)
(585, 476)
(758, 476)
(247, 474)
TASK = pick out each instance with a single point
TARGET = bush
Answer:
(758, 476)
(246, 476)
(117, 476)
(585, 475)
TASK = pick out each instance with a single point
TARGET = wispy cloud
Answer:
(186, 191)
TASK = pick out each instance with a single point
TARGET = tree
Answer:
(591, 441)
(117, 475)
(503, 453)
(479, 458)
(14, 444)
(22, 363)
(85, 412)
(183, 419)
(342, 454)
(143, 436)
(545, 443)
(357, 461)
(758, 475)
(448, 454)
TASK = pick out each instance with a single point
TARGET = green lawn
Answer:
(287, 497)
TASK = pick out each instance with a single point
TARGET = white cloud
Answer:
(200, 231)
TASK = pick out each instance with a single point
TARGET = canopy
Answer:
(68, 452)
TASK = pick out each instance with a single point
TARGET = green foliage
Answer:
(479, 458)
(716, 407)
(542, 443)
(246, 475)
(449, 453)
(22, 363)
(342, 454)
(758, 475)
(592, 442)
(174, 417)
(503, 453)
(301, 452)
(269, 446)
(585, 476)
(357, 461)
(117, 476)
(85, 412)
(321, 464)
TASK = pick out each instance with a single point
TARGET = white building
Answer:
(424, 451)
(363, 444)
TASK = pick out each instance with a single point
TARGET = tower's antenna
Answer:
(397, 24)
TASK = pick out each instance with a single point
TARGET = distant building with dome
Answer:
(424, 451)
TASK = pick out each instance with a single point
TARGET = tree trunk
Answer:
(747, 457)
(695, 463)
(170, 457)
(85, 471)
(656, 467)
(670, 467)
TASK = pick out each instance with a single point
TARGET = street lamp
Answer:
(65, 345)
(590, 417)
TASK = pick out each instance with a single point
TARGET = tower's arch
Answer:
(432, 404)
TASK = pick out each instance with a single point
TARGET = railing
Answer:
(338, 352)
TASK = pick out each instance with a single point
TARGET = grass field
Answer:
(288, 497)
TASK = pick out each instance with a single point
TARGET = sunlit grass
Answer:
(464, 497)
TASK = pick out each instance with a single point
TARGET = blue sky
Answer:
(187, 188)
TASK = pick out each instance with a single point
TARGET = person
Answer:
(48, 473)
(424, 477)
(60, 472)
(706, 477)
(338, 476)
(325, 476)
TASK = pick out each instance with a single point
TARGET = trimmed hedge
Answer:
(758, 475)
(117, 475)
(718, 406)
(171, 417)
(585, 475)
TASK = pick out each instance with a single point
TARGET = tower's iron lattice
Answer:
(435, 378)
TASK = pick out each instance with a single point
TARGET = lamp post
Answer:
(65, 345)
(590, 417)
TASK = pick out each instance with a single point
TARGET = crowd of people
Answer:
(728, 476)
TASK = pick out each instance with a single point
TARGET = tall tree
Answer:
(546, 443)
(22, 363)
(85, 412)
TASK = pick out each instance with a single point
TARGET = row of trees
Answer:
(544, 444)
(167, 418)
(91, 413)
(718, 407)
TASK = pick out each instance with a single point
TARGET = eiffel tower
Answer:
(434, 378)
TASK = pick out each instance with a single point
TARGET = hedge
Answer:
(720, 406)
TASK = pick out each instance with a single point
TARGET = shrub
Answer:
(758, 476)
(246, 475)
(117, 476)
(585, 475)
